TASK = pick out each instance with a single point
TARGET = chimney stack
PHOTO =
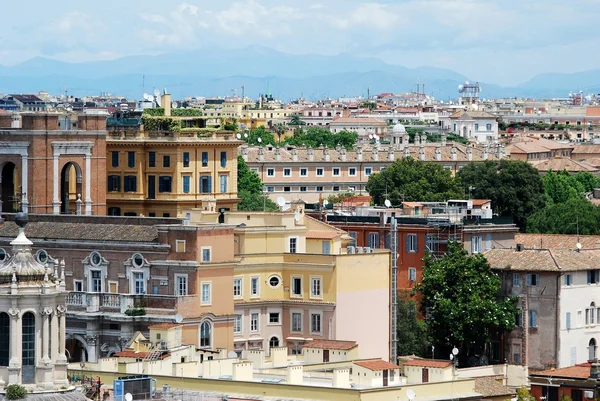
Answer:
(244, 149)
(422, 153)
(438, 154)
(261, 154)
(327, 154)
(444, 139)
(453, 152)
(295, 154)
(469, 153)
(342, 154)
(295, 374)
(484, 156)
(311, 154)
(359, 153)
(277, 154)
(375, 153)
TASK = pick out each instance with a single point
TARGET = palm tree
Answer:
(279, 130)
(295, 120)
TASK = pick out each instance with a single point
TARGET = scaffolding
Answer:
(440, 231)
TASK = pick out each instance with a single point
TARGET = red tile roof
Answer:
(429, 363)
(581, 371)
(331, 344)
(137, 355)
(317, 234)
(165, 326)
(480, 202)
(376, 364)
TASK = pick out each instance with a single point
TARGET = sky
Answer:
(499, 41)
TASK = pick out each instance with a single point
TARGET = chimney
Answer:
(311, 154)
(91, 122)
(342, 154)
(438, 154)
(469, 153)
(295, 374)
(499, 151)
(502, 152)
(243, 371)
(406, 140)
(5, 120)
(261, 154)
(453, 152)
(341, 378)
(595, 370)
(279, 356)
(423, 139)
(166, 104)
(422, 153)
(257, 357)
(484, 156)
(277, 152)
(294, 154)
(374, 153)
(406, 152)
(359, 155)
(327, 154)
(244, 150)
(391, 154)
(443, 139)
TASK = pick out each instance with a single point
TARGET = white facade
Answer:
(481, 129)
(579, 314)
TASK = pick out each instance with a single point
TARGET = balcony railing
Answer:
(120, 303)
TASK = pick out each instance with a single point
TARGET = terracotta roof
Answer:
(549, 260)
(316, 234)
(376, 364)
(411, 204)
(331, 344)
(550, 241)
(581, 371)
(489, 387)
(165, 326)
(429, 363)
(467, 115)
(480, 202)
(138, 355)
(586, 149)
(560, 164)
(531, 144)
(357, 121)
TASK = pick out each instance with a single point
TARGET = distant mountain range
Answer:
(217, 72)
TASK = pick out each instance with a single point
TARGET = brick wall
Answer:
(40, 122)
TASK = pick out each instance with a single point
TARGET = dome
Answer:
(398, 129)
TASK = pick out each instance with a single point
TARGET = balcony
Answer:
(126, 304)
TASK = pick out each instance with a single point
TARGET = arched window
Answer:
(205, 332)
(4, 339)
(592, 350)
(274, 342)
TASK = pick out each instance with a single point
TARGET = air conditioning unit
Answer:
(359, 249)
(371, 250)
(351, 250)
(163, 345)
(588, 394)
(367, 249)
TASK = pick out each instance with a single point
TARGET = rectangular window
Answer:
(297, 286)
(130, 183)
(368, 171)
(335, 171)
(315, 323)
(186, 184)
(303, 172)
(353, 234)
(568, 320)
(115, 159)
(167, 161)
(206, 254)
(593, 276)
(206, 296)
(205, 184)
(296, 321)
(517, 358)
(223, 183)
(516, 280)
(488, 127)
(431, 243)
(568, 279)
(237, 287)
(320, 172)
(374, 240)
(151, 159)
(533, 318)
(78, 285)
(204, 159)
(114, 183)
(130, 159)
(352, 171)
(319, 188)
(270, 189)
(273, 317)
(476, 244)
(533, 279)
(412, 274)
(96, 281)
(411, 243)
(223, 159)
(326, 247)
(180, 245)
(335, 188)
(181, 285)
(287, 172)
(164, 183)
(237, 324)
(293, 245)
(254, 321)
(519, 318)
(476, 127)
(254, 287)
(270, 172)
(315, 287)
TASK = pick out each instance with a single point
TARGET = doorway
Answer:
(385, 377)
(8, 188)
(425, 376)
(325, 355)
(70, 187)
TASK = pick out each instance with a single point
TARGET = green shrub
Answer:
(135, 312)
(15, 392)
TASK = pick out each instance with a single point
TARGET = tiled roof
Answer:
(83, 231)
(553, 241)
(472, 115)
(376, 364)
(164, 326)
(429, 363)
(331, 344)
(530, 144)
(561, 163)
(586, 149)
(316, 234)
(581, 371)
(357, 121)
(489, 387)
(480, 202)
(549, 260)
(137, 355)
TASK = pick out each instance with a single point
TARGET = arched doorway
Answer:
(28, 363)
(8, 188)
(70, 187)
(76, 350)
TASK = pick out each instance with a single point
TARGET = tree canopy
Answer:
(315, 137)
(412, 331)
(250, 190)
(409, 179)
(570, 217)
(461, 300)
(514, 187)
(261, 132)
(562, 186)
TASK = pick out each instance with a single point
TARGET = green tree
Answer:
(588, 180)
(266, 137)
(573, 216)
(461, 293)
(296, 121)
(412, 331)
(524, 395)
(514, 187)
(562, 186)
(279, 130)
(409, 179)
(315, 137)
(250, 190)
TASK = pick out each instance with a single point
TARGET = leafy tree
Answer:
(562, 186)
(369, 105)
(315, 137)
(576, 214)
(412, 331)
(461, 293)
(279, 130)
(514, 187)
(524, 395)
(588, 180)
(409, 179)
(262, 133)
(295, 120)
(250, 190)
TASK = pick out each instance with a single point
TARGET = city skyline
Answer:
(505, 42)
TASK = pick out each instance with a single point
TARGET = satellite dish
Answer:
(246, 135)
(370, 136)
(454, 351)
(451, 357)
(259, 140)
(460, 88)
(387, 203)
(466, 82)
(128, 397)
(232, 354)
(410, 394)
(579, 246)
(325, 202)
(281, 201)
(156, 93)
(238, 136)
(148, 98)
(178, 318)
(174, 105)
(158, 101)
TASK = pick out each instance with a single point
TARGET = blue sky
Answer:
(500, 41)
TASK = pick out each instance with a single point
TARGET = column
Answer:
(46, 335)
(14, 366)
(88, 183)
(56, 178)
(24, 186)
(61, 311)
(92, 349)
(54, 338)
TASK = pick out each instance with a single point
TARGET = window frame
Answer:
(255, 279)
(240, 295)
(203, 254)
(203, 285)
(319, 281)
(176, 278)
(314, 313)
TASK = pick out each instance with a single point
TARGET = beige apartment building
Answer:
(313, 174)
